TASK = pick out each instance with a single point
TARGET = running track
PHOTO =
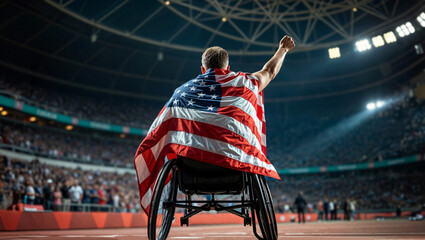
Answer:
(361, 230)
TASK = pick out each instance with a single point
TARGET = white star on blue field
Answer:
(201, 93)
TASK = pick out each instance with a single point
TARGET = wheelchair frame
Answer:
(256, 196)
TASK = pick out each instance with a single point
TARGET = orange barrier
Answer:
(18, 220)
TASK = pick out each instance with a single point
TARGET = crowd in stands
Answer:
(74, 189)
(396, 130)
(65, 189)
(125, 112)
(386, 188)
(57, 144)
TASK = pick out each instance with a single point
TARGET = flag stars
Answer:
(178, 90)
(202, 83)
(175, 101)
(211, 108)
(214, 96)
(195, 80)
(186, 85)
(193, 88)
(201, 95)
(191, 102)
(212, 87)
(183, 94)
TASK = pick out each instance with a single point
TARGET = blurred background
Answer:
(81, 81)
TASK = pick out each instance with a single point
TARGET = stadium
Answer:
(87, 87)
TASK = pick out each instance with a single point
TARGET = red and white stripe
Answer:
(234, 137)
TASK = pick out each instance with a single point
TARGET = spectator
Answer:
(116, 200)
(332, 207)
(38, 193)
(300, 204)
(57, 199)
(94, 197)
(346, 208)
(3, 194)
(86, 196)
(30, 192)
(326, 208)
(320, 210)
(48, 194)
(76, 193)
(102, 196)
(66, 200)
(352, 208)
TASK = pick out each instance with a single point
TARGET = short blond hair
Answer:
(215, 57)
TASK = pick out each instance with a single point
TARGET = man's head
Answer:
(215, 57)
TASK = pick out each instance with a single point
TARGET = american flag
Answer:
(217, 118)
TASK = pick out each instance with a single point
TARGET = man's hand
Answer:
(272, 67)
(287, 43)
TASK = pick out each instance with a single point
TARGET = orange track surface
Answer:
(364, 230)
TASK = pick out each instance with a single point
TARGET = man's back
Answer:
(217, 118)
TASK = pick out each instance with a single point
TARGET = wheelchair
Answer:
(181, 179)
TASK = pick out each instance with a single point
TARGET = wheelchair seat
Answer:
(196, 177)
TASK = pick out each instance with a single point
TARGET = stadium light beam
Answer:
(378, 41)
(390, 37)
(363, 45)
(334, 53)
(371, 106)
(421, 19)
(380, 104)
(405, 29)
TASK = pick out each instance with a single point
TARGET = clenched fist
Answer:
(287, 43)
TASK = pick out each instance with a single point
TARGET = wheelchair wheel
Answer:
(269, 205)
(161, 212)
(262, 209)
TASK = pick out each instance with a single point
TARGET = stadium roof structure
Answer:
(244, 27)
(145, 49)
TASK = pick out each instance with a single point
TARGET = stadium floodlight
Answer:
(371, 106)
(390, 37)
(363, 45)
(405, 29)
(421, 19)
(378, 41)
(380, 104)
(334, 53)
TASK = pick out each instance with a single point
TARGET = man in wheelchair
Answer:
(209, 139)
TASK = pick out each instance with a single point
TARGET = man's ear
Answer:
(203, 70)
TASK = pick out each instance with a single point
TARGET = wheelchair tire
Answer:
(262, 210)
(161, 217)
(269, 205)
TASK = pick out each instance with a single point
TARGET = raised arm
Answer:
(272, 67)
